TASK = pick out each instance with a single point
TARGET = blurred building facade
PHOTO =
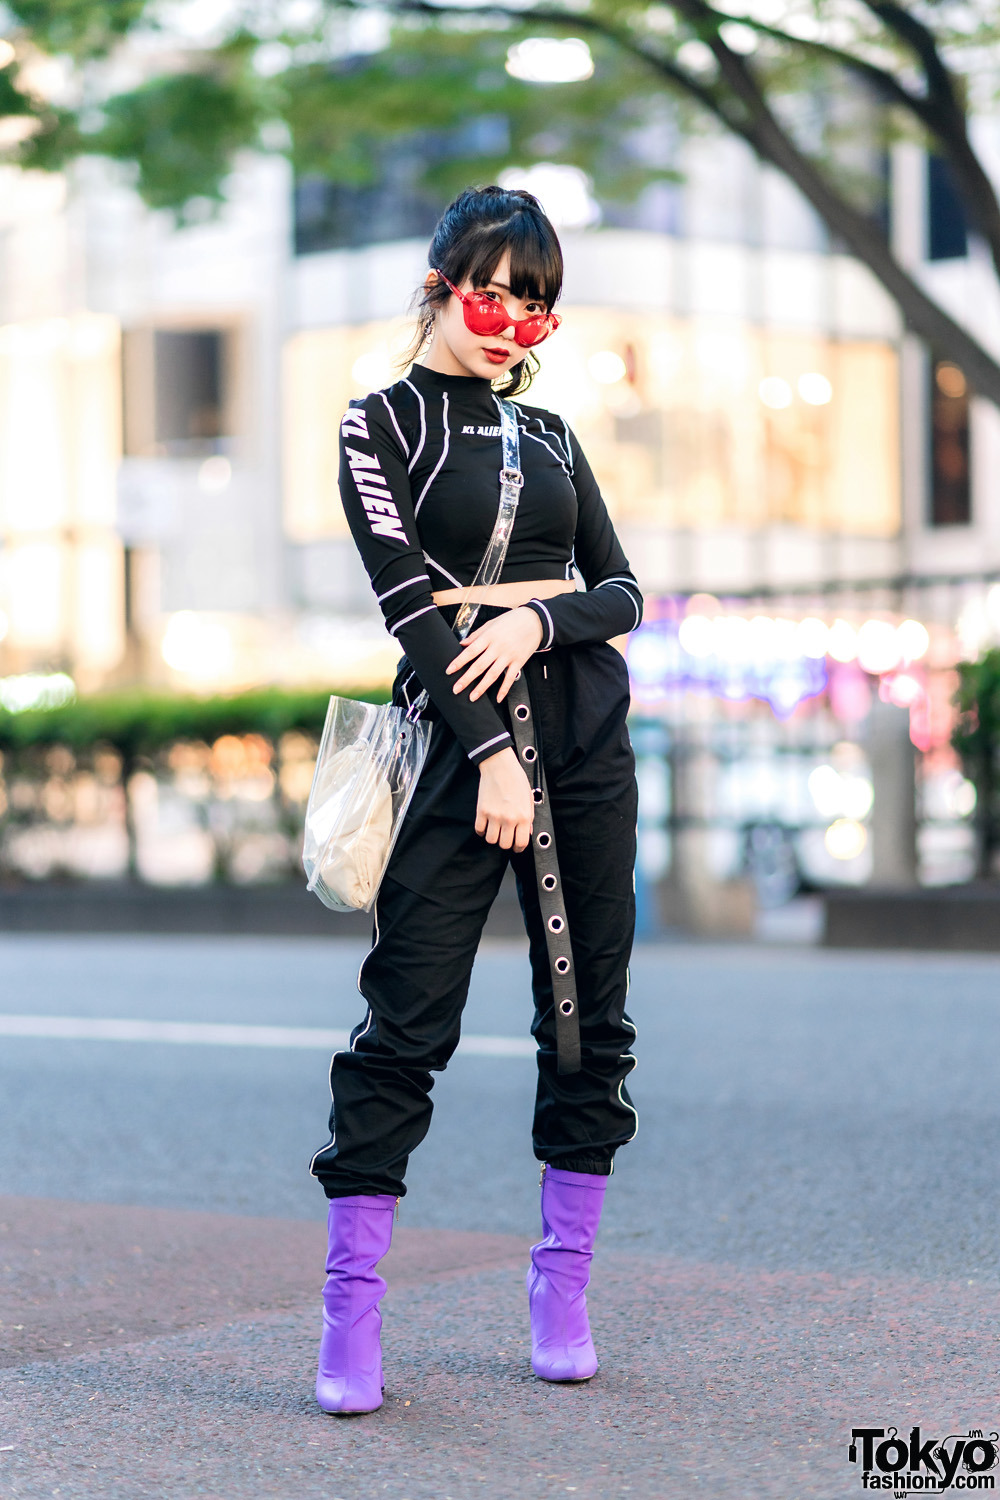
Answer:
(764, 432)
(169, 403)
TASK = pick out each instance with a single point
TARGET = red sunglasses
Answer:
(485, 316)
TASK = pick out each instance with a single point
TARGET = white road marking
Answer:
(214, 1034)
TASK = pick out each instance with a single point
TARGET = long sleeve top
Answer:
(419, 481)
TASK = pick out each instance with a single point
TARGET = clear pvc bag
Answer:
(370, 758)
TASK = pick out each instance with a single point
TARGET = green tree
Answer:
(790, 91)
(976, 737)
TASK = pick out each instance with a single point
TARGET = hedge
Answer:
(138, 722)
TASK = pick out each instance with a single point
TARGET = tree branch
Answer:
(921, 41)
(939, 111)
(947, 121)
(879, 79)
(758, 126)
(764, 133)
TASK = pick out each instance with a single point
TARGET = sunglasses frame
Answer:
(478, 300)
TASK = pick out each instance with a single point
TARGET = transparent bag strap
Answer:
(489, 570)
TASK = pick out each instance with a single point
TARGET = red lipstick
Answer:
(497, 356)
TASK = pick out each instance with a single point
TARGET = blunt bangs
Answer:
(536, 265)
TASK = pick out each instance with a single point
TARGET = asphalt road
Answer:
(817, 1162)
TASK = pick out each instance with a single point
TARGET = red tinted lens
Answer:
(482, 315)
(531, 331)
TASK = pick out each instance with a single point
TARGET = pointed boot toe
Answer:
(346, 1398)
(349, 1379)
(561, 1345)
(564, 1366)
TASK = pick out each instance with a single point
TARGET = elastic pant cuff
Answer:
(595, 1166)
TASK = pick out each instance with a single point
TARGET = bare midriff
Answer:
(508, 595)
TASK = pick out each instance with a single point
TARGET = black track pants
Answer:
(442, 880)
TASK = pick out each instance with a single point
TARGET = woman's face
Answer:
(456, 350)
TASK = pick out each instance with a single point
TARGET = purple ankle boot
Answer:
(561, 1346)
(350, 1354)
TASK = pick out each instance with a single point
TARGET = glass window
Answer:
(951, 491)
(175, 390)
(946, 236)
(687, 423)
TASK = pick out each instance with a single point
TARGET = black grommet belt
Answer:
(550, 897)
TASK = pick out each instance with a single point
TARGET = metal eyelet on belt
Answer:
(549, 882)
(543, 840)
(529, 753)
(561, 966)
(556, 924)
(522, 711)
(566, 1007)
(538, 795)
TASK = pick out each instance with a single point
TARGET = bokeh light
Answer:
(813, 636)
(913, 640)
(815, 389)
(214, 474)
(775, 392)
(845, 839)
(36, 690)
(606, 367)
(549, 59)
(842, 641)
(878, 647)
(197, 647)
(565, 192)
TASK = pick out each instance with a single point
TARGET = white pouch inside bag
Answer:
(367, 769)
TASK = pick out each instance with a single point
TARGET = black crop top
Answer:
(419, 480)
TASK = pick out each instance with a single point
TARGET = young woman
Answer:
(420, 484)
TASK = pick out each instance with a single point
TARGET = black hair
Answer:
(468, 244)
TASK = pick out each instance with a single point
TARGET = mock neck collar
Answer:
(433, 380)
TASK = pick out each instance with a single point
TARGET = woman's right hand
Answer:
(506, 807)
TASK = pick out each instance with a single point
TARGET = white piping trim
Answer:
(559, 440)
(399, 430)
(557, 456)
(415, 616)
(444, 453)
(635, 605)
(443, 571)
(635, 1063)
(400, 586)
(634, 1060)
(423, 426)
(486, 743)
(522, 426)
(552, 628)
(568, 445)
(619, 578)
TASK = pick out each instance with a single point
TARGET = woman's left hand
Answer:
(499, 648)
